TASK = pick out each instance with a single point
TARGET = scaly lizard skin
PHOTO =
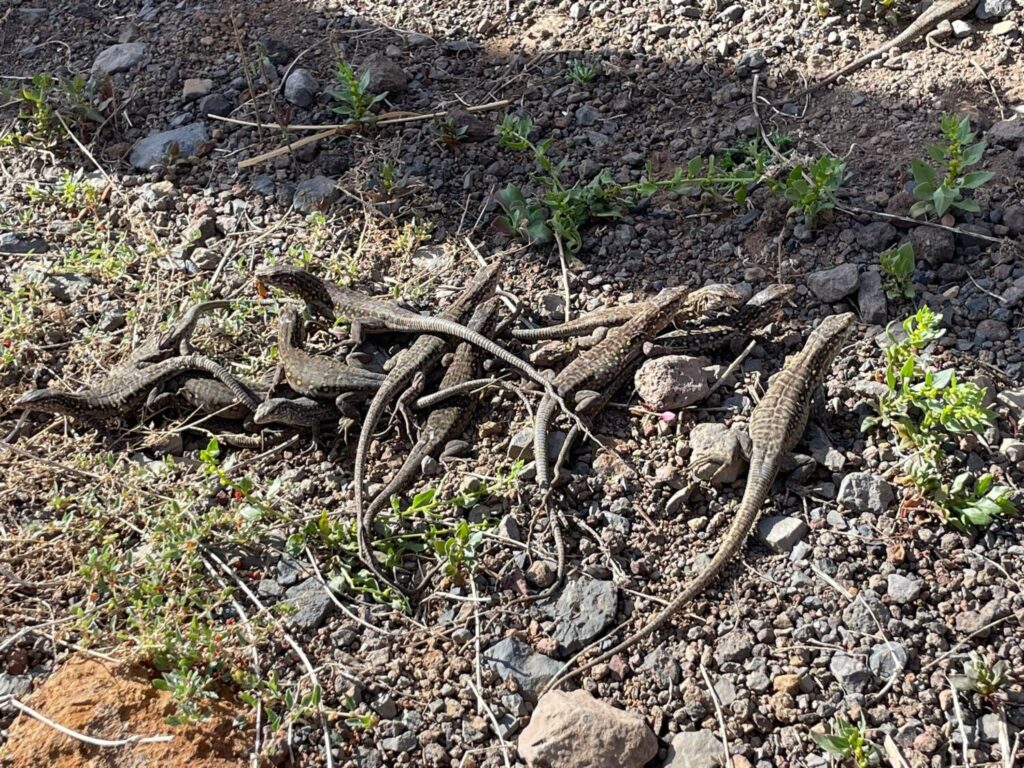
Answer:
(328, 300)
(443, 424)
(119, 394)
(776, 425)
(173, 341)
(411, 364)
(937, 12)
(317, 376)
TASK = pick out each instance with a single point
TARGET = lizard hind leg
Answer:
(406, 399)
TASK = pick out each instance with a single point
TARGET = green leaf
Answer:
(937, 152)
(967, 205)
(924, 191)
(963, 130)
(922, 173)
(919, 208)
(977, 178)
(984, 483)
(831, 743)
(941, 379)
(943, 197)
(974, 153)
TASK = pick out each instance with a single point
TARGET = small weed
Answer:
(898, 268)
(849, 741)
(581, 72)
(938, 190)
(811, 190)
(448, 134)
(191, 690)
(83, 103)
(353, 94)
(924, 408)
(980, 677)
(387, 172)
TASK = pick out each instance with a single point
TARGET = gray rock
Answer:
(269, 588)
(865, 492)
(976, 623)
(512, 657)
(1005, 29)
(214, 104)
(993, 9)
(831, 285)
(66, 287)
(587, 116)
(315, 194)
(1013, 218)
(13, 242)
(781, 533)
(118, 58)
(736, 645)
(733, 13)
(584, 609)
(541, 574)
(301, 87)
(876, 236)
(695, 749)
(887, 659)
(993, 330)
(521, 445)
(404, 742)
(871, 299)
(577, 11)
(1012, 450)
(384, 705)
(961, 29)
(661, 664)
(1013, 399)
(748, 126)
(473, 127)
(311, 602)
(716, 453)
(671, 382)
(155, 148)
(17, 686)
(385, 75)
(934, 246)
(866, 613)
(575, 730)
(901, 588)
(264, 185)
(850, 672)
(196, 87)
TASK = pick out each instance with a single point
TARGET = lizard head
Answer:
(764, 306)
(835, 329)
(712, 298)
(49, 401)
(297, 282)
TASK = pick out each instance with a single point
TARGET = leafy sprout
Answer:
(937, 189)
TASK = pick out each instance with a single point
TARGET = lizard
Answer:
(776, 425)
(443, 424)
(125, 389)
(173, 341)
(317, 376)
(937, 12)
(327, 300)
(410, 366)
(761, 309)
(600, 367)
(698, 333)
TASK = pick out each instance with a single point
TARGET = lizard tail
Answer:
(763, 470)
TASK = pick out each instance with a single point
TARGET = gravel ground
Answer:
(852, 599)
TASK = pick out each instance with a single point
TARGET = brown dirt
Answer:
(114, 702)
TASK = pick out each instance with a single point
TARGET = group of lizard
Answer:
(322, 387)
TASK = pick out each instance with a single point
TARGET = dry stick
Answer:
(406, 117)
(960, 722)
(248, 78)
(854, 211)
(82, 147)
(718, 712)
(334, 599)
(247, 625)
(732, 368)
(565, 276)
(893, 753)
(477, 688)
(310, 670)
(91, 740)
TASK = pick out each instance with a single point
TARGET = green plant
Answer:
(353, 94)
(936, 191)
(982, 678)
(924, 408)
(811, 190)
(967, 508)
(191, 690)
(849, 741)
(581, 72)
(898, 268)
(45, 100)
(447, 133)
(560, 211)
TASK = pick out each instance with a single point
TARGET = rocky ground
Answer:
(153, 189)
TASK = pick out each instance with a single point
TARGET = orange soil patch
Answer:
(113, 702)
